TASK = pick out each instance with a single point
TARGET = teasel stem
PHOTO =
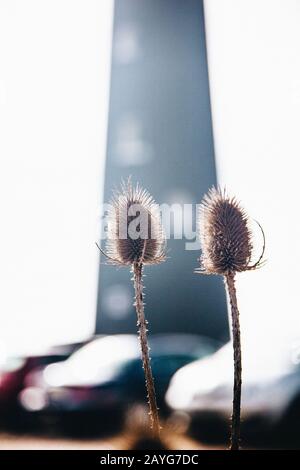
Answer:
(237, 355)
(142, 325)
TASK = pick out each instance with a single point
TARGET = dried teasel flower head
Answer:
(135, 233)
(225, 236)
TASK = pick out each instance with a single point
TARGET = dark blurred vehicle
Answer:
(13, 373)
(103, 378)
(270, 398)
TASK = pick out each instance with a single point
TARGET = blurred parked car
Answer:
(270, 397)
(13, 373)
(105, 377)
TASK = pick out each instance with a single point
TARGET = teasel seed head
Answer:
(135, 233)
(225, 236)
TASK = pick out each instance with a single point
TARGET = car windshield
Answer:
(95, 362)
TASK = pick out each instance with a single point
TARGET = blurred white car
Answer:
(270, 384)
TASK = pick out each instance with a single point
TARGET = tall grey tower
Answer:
(160, 133)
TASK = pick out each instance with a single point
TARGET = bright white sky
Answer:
(54, 85)
(254, 69)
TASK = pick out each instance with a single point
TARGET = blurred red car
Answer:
(13, 372)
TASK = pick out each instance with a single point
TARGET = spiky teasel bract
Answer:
(135, 231)
(225, 235)
(226, 242)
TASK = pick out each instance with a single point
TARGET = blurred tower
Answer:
(160, 132)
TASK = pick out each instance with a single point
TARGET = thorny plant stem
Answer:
(142, 325)
(237, 354)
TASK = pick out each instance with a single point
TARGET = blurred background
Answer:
(181, 96)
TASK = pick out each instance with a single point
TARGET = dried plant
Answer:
(136, 238)
(226, 242)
